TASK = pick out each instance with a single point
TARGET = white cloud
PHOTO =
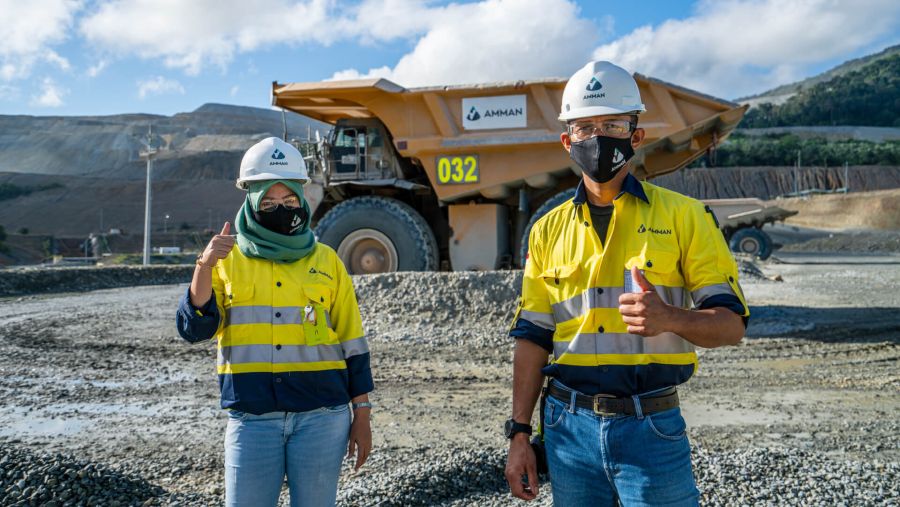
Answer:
(736, 47)
(28, 30)
(234, 90)
(193, 35)
(158, 85)
(97, 68)
(493, 40)
(51, 94)
(485, 40)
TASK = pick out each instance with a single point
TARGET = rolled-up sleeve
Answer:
(197, 324)
(710, 271)
(534, 319)
(348, 326)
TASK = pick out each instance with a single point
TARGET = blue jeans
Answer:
(636, 460)
(307, 447)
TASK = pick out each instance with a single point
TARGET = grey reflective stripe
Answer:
(700, 295)
(544, 320)
(591, 298)
(608, 297)
(623, 343)
(240, 354)
(267, 315)
(355, 347)
(675, 296)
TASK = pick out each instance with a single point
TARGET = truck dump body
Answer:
(494, 137)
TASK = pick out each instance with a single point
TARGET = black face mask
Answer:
(282, 220)
(601, 157)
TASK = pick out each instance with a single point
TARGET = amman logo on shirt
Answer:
(643, 229)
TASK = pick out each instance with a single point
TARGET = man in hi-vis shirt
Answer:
(621, 284)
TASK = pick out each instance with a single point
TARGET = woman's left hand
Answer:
(360, 437)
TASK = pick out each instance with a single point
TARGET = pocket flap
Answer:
(562, 271)
(319, 294)
(237, 292)
(657, 261)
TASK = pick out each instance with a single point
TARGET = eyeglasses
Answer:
(290, 202)
(619, 129)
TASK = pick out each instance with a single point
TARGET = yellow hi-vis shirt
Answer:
(571, 287)
(289, 335)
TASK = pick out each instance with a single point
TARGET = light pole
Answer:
(166, 224)
(148, 152)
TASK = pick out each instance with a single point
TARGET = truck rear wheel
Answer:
(752, 241)
(545, 208)
(378, 235)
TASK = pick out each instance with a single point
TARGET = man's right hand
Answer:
(219, 247)
(521, 461)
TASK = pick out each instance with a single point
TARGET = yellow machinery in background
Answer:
(452, 177)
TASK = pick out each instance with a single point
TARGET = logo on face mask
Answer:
(617, 156)
(473, 115)
(594, 85)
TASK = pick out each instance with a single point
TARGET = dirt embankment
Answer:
(864, 210)
(771, 182)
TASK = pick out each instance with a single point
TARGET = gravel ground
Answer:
(802, 412)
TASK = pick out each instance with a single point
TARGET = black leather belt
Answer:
(608, 405)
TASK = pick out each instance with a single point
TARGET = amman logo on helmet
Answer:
(594, 85)
(277, 156)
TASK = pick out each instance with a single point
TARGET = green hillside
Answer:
(791, 88)
(869, 96)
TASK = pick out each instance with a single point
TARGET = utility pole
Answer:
(846, 177)
(148, 152)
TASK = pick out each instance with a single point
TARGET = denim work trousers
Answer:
(306, 447)
(637, 460)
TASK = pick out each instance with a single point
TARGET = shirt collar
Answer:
(630, 185)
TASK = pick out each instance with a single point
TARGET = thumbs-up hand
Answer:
(219, 247)
(644, 312)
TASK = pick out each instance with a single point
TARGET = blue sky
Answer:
(81, 57)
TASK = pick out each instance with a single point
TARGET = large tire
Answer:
(545, 208)
(377, 235)
(752, 241)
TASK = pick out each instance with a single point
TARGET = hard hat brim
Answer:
(587, 112)
(242, 182)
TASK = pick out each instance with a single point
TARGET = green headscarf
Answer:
(255, 240)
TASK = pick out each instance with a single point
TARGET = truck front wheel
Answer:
(379, 235)
(753, 241)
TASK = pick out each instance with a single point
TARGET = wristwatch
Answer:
(512, 427)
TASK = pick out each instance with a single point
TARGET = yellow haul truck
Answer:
(452, 177)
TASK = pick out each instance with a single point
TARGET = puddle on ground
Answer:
(17, 422)
(65, 419)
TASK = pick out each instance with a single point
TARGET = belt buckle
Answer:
(597, 409)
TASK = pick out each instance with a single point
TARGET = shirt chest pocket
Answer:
(238, 294)
(660, 267)
(315, 314)
(563, 281)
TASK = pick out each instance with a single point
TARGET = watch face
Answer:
(507, 428)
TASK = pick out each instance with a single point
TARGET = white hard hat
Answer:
(272, 159)
(600, 88)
